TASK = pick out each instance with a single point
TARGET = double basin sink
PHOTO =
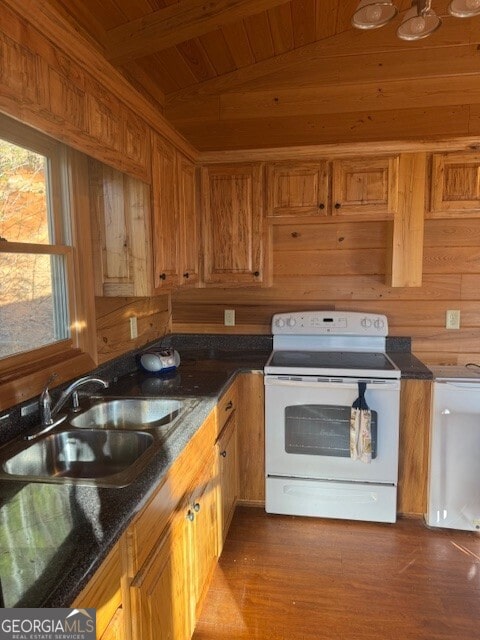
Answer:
(106, 443)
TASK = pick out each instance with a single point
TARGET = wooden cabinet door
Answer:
(159, 594)
(233, 223)
(297, 189)
(121, 232)
(455, 184)
(104, 593)
(188, 222)
(165, 218)
(227, 477)
(116, 627)
(203, 548)
(363, 186)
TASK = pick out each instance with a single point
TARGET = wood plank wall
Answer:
(113, 323)
(341, 265)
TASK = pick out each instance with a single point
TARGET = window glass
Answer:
(23, 195)
(33, 262)
(32, 309)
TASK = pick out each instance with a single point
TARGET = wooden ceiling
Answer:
(234, 74)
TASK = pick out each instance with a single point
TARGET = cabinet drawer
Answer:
(226, 406)
(144, 532)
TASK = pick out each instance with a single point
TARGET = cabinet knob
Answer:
(196, 507)
(256, 273)
(163, 276)
(337, 205)
(223, 454)
(190, 516)
(229, 405)
(321, 206)
(186, 275)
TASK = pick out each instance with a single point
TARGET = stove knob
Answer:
(366, 323)
(379, 323)
(291, 322)
(280, 322)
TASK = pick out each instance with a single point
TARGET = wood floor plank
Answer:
(291, 578)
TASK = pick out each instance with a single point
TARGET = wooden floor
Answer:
(293, 578)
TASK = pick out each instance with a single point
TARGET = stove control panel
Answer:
(340, 323)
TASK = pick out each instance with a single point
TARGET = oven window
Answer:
(321, 430)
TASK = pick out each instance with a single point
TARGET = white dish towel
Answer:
(360, 427)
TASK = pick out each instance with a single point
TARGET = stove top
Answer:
(330, 343)
(331, 360)
(331, 364)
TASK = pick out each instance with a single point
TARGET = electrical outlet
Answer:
(133, 328)
(229, 317)
(452, 319)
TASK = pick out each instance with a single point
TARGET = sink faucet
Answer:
(48, 413)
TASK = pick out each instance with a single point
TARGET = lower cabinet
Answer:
(104, 593)
(201, 508)
(167, 592)
(153, 583)
(116, 627)
(159, 597)
(227, 477)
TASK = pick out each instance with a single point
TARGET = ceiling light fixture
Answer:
(419, 21)
(372, 15)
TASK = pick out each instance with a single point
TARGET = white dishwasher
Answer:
(454, 475)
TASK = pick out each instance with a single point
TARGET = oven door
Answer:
(308, 428)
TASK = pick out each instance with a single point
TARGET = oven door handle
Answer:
(382, 385)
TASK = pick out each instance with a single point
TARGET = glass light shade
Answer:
(416, 26)
(464, 8)
(372, 15)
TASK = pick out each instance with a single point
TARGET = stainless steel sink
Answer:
(129, 413)
(97, 456)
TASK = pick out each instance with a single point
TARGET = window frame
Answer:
(23, 375)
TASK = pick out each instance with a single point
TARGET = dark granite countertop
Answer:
(411, 367)
(53, 537)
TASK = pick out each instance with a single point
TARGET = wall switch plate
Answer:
(452, 319)
(133, 328)
(229, 317)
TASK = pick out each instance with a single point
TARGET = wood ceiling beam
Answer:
(177, 23)
(454, 32)
(292, 131)
(425, 93)
(364, 76)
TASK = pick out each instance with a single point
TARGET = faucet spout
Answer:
(72, 389)
(48, 412)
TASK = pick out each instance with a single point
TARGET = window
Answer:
(46, 290)
(33, 296)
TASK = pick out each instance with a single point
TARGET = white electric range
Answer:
(312, 378)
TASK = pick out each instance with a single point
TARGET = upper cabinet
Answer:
(145, 238)
(455, 188)
(121, 232)
(188, 222)
(166, 242)
(353, 186)
(175, 224)
(234, 233)
(365, 185)
(297, 189)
